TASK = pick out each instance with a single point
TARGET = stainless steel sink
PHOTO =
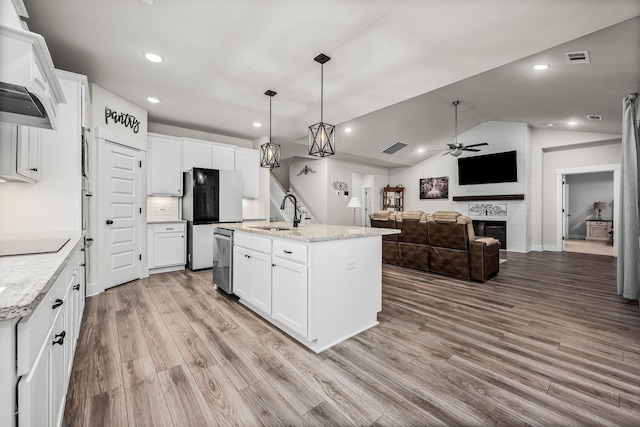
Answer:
(270, 228)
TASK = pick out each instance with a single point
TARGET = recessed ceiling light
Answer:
(420, 150)
(347, 130)
(153, 57)
(540, 66)
(257, 124)
(572, 123)
(550, 125)
(153, 100)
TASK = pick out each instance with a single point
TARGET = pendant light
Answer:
(270, 152)
(322, 135)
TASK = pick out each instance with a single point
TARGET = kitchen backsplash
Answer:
(163, 209)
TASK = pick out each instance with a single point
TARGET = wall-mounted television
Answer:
(488, 169)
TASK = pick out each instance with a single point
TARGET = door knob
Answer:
(109, 222)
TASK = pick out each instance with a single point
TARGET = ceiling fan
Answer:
(457, 148)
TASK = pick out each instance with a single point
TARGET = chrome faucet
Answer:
(296, 220)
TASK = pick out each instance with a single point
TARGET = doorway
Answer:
(580, 226)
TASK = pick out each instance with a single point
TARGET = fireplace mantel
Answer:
(493, 197)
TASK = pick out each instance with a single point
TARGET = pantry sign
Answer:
(118, 115)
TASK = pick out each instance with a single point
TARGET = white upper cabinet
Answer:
(165, 166)
(247, 162)
(223, 157)
(19, 153)
(196, 154)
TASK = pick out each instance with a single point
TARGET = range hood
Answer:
(29, 88)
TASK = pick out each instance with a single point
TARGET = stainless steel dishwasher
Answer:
(223, 262)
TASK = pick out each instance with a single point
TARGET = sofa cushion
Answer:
(414, 255)
(448, 235)
(452, 262)
(414, 229)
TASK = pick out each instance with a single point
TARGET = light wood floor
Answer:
(547, 342)
(588, 247)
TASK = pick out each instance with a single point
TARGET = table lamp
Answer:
(599, 206)
(354, 203)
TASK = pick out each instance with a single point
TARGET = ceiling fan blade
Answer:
(470, 149)
(478, 145)
(452, 146)
(448, 152)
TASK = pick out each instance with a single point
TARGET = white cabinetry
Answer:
(19, 153)
(252, 271)
(166, 247)
(223, 157)
(165, 166)
(205, 154)
(290, 295)
(196, 154)
(46, 341)
(321, 291)
(247, 161)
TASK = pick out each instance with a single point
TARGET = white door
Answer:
(289, 297)
(119, 214)
(565, 211)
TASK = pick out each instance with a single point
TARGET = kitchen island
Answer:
(321, 284)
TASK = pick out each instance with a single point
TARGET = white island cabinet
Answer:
(323, 284)
(41, 306)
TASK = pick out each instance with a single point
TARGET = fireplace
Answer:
(495, 229)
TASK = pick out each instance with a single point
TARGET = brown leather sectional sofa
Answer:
(442, 242)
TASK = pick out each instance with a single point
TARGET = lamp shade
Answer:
(354, 203)
(599, 205)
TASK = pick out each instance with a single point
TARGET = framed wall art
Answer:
(434, 188)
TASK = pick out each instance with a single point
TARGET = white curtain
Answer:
(628, 229)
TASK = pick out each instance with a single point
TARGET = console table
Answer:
(598, 229)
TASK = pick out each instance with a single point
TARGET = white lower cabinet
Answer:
(272, 279)
(321, 292)
(166, 247)
(44, 361)
(289, 296)
(252, 274)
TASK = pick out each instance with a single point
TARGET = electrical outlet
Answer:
(351, 264)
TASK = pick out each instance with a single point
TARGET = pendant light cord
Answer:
(321, 93)
(270, 119)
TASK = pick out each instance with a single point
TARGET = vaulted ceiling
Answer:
(396, 65)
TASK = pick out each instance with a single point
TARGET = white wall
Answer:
(317, 193)
(312, 187)
(338, 170)
(54, 203)
(571, 158)
(575, 148)
(584, 190)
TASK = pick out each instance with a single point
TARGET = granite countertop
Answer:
(308, 232)
(25, 279)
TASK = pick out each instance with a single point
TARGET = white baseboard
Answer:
(536, 248)
(93, 289)
(552, 248)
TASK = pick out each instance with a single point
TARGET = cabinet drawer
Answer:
(33, 328)
(260, 244)
(174, 227)
(291, 251)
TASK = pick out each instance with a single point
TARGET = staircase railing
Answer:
(278, 192)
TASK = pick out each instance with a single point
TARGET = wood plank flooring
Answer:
(545, 343)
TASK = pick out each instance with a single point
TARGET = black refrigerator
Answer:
(211, 196)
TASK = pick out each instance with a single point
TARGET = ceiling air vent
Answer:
(594, 116)
(577, 57)
(394, 148)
